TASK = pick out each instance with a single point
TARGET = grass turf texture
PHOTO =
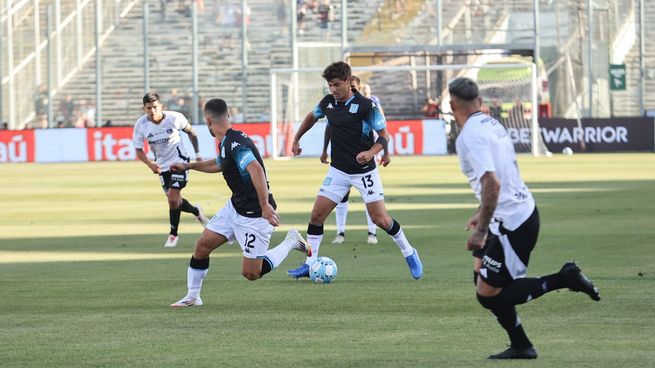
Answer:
(85, 281)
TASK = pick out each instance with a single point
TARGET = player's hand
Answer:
(324, 158)
(295, 148)
(364, 157)
(198, 158)
(270, 215)
(155, 168)
(178, 167)
(476, 240)
(385, 160)
(472, 222)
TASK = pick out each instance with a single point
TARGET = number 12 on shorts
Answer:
(250, 238)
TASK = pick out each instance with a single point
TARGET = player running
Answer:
(341, 211)
(162, 131)
(248, 216)
(506, 225)
(352, 118)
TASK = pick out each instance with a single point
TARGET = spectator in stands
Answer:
(171, 102)
(41, 100)
(226, 21)
(28, 126)
(301, 16)
(108, 124)
(237, 116)
(5, 126)
(60, 124)
(495, 109)
(326, 16)
(67, 109)
(431, 108)
(88, 109)
(82, 121)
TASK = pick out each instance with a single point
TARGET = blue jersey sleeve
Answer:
(318, 112)
(375, 119)
(243, 157)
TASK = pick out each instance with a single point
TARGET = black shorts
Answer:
(506, 257)
(173, 180)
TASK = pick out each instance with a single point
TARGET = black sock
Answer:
(520, 291)
(314, 229)
(199, 264)
(174, 215)
(188, 207)
(554, 282)
(510, 321)
(394, 229)
(267, 266)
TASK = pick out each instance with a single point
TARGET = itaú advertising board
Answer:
(412, 137)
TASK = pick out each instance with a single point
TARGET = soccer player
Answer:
(341, 211)
(162, 131)
(352, 118)
(505, 227)
(248, 216)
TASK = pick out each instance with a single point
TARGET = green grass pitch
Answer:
(85, 281)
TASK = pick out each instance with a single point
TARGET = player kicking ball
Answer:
(162, 131)
(249, 216)
(352, 118)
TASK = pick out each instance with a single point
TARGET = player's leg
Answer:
(177, 183)
(334, 188)
(341, 212)
(372, 229)
(256, 268)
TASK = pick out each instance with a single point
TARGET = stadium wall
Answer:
(409, 137)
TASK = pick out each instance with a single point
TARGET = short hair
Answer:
(356, 80)
(338, 70)
(150, 97)
(216, 107)
(464, 89)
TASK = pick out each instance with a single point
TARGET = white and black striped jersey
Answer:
(164, 138)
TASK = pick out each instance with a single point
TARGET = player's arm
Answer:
(307, 123)
(259, 182)
(326, 142)
(489, 199)
(376, 120)
(141, 155)
(206, 166)
(193, 137)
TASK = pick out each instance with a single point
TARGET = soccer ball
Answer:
(323, 270)
(567, 151)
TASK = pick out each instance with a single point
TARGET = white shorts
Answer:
(252, 234)
(337, 183)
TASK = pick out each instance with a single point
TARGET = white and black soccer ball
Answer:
(323, 270)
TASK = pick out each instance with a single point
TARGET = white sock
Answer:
(342, 213)
(372, 227)
(194, 281)
(315, 242)
(279, 253)
(402, 243)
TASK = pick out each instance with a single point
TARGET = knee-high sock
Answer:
(399, 238)
(188, 207)
(526, 289)
(277, 255)
(341, 212)
(174, 217)
(195, 274)
(372, 227)
(510, 321)
(314, 238)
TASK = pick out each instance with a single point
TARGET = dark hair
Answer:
(216, 107)
(464, 88)
(338, 70)
(356, 80)
(150, 97)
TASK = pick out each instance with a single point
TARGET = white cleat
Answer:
(171, 241)
(202, 219)
(372, 239)
(340, 238)
(187, 302)
(299, 242)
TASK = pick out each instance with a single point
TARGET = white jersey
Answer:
(164, 138)
(483, 145)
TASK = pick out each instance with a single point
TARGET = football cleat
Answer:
(578, 282)
(302, 271)
(171, 241)
(299, 242)
(372, 239)
(202, 219)
(187, 302)
(339, 239)
(512, 353)
(415, 265)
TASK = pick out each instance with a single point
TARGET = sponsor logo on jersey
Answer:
(234, 145)
(491, 264)
(329, 106)
(354, 108)
(150, 135)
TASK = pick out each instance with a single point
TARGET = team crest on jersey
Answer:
(329, 106)
(169, 131)
(354, 108)
(234, 145)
